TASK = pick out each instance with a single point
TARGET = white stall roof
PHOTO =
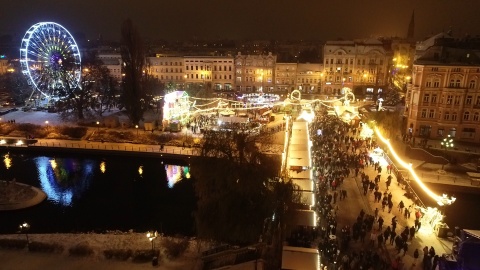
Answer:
(300, 258)
(302, 175)
(304, 184)
(298, 147)
(306, 197)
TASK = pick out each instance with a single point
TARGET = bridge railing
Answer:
(117, 147)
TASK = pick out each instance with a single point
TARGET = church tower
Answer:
(411, 27)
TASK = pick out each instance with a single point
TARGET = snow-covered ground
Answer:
(98, 242)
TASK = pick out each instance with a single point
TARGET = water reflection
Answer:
(62, 179)
(103, 166)
(8, 161)
(176, 173)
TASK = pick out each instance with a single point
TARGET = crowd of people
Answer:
(340, 154)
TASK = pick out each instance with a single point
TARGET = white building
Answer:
(358, 65)
(113, 62)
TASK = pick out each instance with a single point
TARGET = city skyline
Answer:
(268, 19)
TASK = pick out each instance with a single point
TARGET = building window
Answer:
(431, 114)
(457, 100)
(446, 116)
(468, 100)
(436, 83)
(426, 98)
(434, 68)
(449, 99)
(466, 116)
(434, 98)
(454, 116)
(424, 113)
(476, 116)
(428, 84)
(457, 83)
(472, 84)
(452, 83)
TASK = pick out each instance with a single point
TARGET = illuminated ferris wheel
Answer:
(50, 59)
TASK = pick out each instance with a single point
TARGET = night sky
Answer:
(253, 19)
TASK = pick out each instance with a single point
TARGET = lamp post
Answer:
(447, 143)
(136, 127)
(46, 125)
(98, 125)
(24, 227)
(151, 237)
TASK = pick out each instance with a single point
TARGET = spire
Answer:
(411, 27)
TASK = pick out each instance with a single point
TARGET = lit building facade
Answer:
(285, 77)
(254, 73)
(444, 95)
(309, 78)
(360, 66)
(3, 64)
(167, 69)
(113, 62)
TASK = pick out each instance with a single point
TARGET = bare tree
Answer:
(133, 96)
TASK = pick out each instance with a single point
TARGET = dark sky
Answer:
(258, 19)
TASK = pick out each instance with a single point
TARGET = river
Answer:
(98, 193)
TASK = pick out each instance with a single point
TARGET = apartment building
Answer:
(361, 66)
(255, 73)
(3, 64)
(444, 95)
(167, 69)
(285, 77)
(309, 78)
(113, 62)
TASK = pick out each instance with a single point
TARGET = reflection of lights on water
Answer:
(103, 167)
(140, 170)
(8, 161)
(48, 182)
(53, 163)
(176, 173)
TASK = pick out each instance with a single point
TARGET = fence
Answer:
(119, 147)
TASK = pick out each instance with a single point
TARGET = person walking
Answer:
(390, 206)
(380, 222)
(401, 205)
(416, 254)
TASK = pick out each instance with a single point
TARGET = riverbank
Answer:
(24, 259)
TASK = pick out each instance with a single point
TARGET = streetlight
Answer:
(98, 125)
(447, 143)
(46, 125)
(24, 229)
(151, 237)
(136, 126)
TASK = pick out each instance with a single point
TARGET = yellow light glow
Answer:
(7, 160)
(308, 116)
(103, 167)
(405, 165)
(53, 163)
(140, 170)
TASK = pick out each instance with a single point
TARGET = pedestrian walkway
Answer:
(424, 237)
